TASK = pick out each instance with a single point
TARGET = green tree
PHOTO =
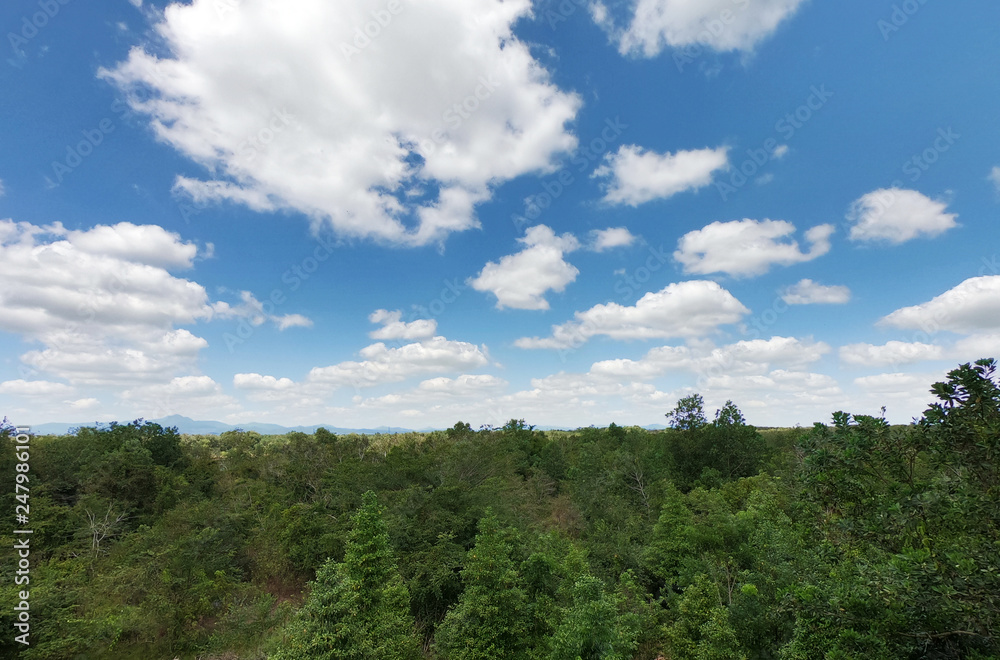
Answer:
(735, 449)
(358, 609)
(592, 627)
(701, 628)
(491, 619)
(689, 414)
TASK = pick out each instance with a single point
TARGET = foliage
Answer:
(709, 539)
(358, 608)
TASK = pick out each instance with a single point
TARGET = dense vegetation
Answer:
(710, 540)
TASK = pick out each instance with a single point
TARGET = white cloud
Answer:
(683, 309)
(89, 403)
(797, 383)
(606, 239)
(259, 382)
(907, 392)
(387, 365)
(292, 321)
(521, 280)
(890, 353)
(394, 328)
(292, 106)
(897, 216)
(745, 248)
(197, 396)
(723, 25)
(779, 152)
(34, 388)
(103, 303)
(755, 356)
(971, 307)
(807, 292)
(145, 244)
(3, 191)
(638, 176)
(970, 349)
(437, 394)
(253, 311)
(994, 178)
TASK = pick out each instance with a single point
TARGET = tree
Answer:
(701, 629)
(490, 621)
(360, 608)
(592, 628)
(735, 449)
(689, 415)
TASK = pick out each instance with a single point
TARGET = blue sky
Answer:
(403, 213)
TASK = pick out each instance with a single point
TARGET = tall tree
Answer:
(491, 619)
(358, 609)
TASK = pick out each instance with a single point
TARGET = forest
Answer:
(709, 540)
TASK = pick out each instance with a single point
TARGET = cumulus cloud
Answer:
(807, 292)
(890, 353)
(755, 356)
(255, 313)
(190, 395)
(292, 106)
(636, 176)
(393, 327)
(34, 388)
(972, 306)
(259, 382)
(103, 304)
(145, 244)
(745, 248)
(684, 309)
(521, 280)
(896, 216)
(606, 239)
(382, 364)
(435, 394)
(722, 25)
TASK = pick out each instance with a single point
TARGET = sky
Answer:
(408, 213)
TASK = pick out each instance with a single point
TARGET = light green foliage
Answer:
(359, 608)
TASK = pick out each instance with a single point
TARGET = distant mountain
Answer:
(195, 427)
